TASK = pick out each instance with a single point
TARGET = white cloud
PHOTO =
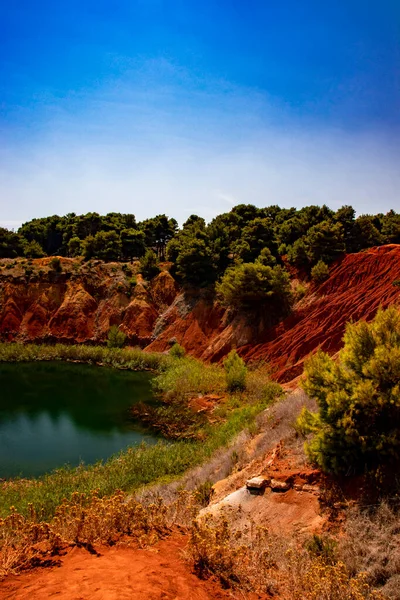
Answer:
(152, 143)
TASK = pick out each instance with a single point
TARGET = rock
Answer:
(257, 484)
(279, 486)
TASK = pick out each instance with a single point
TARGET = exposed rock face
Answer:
(81, 302)
(358, 285)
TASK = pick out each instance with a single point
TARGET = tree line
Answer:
(243, 250)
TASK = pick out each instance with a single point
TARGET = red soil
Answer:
(358, 285)
(80, 305)
(118, 573)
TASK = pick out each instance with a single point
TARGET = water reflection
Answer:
(57, 413)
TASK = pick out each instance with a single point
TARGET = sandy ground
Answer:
(118, 573)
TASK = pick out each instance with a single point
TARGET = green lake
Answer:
(53, 414)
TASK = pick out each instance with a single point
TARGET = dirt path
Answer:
(119, 573)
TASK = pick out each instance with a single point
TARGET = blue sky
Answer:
(149, 106)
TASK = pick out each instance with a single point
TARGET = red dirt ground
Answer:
(119, 573)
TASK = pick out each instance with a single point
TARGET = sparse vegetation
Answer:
(177, 351)
(235, 372)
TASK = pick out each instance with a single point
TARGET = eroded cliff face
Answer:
(82, 301)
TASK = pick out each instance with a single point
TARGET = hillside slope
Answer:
(81, 302)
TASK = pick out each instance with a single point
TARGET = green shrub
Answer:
(235, 372)
(357, 427)
(250, 286)
(55, 264)
(116, 338)
(177, 351)
(320, 272)
(34, 250)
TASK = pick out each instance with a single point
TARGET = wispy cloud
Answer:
(226, 197)
(156, 140)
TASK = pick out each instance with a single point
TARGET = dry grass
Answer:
(372, 544)
(258, 561)
(86, 520)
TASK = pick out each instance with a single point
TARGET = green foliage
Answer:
(33, 250)
(116, 338)
(322, 547)
(55, 264)
(188, 377)
(320, 272)
(256, 236)
(149, 265)
(158, 231)
(11, 244)
(133, 243)
(266, 258)
(194, 263)
(235, 372)
(357, 427)
(255, 286)
(74, 246)
(325, 242)
(177, 351)
(191, 253)
(105, 245)
(366, 232)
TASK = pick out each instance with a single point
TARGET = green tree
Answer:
(325, 242)
(391, 228)
(366, 233)
(105, 245)
(149, 264)
(346, 217)
(258, 234)
(266, 258)
(194, 263)
(357, 426)
(158, 232)
(33, 250)
(11, 244)
(253, 286)
(297, 254)
(132, 243)
(74, 246)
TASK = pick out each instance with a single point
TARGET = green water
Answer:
(52, 414)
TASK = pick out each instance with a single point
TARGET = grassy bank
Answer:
(118, 358)
(178, 379)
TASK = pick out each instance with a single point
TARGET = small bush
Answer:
(55, 264)
(320, 272)
(116, 338)
(235, 372)
(177, 351)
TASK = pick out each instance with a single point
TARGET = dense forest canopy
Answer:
(201, 253)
